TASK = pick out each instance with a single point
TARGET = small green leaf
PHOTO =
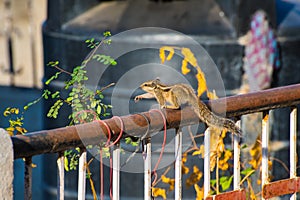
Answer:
(225, 182)
(55, 95)
(98, 110)
(107, 34)
(113, 63)
(69, 99)
(66, 161)
(213, 182)
(93, 104)
(247, 171)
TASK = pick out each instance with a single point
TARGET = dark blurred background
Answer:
(215, 24)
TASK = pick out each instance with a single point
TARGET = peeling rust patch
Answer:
(236, 195)
(282, 187)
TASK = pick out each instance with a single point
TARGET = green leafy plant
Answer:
(87, 105)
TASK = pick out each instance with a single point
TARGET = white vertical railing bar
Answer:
(116, 174)
(28, 179)
(60, 176)
(236, 159)
(206, 162)
(82, 175)
(147, 169)
(293, 146)
(178, 154)
(264, 143)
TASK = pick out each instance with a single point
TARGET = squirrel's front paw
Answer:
(137, 98)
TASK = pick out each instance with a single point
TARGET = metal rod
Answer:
(82, 175)
(116, 173)
(60, 176)
(236, 160)
(28, 179)
(264, 144)
(56, 140)
(147, 169)
(178, 167)
(258, 101)
(206, 162)
(293, 146)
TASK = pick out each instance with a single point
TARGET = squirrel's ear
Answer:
(157, 79)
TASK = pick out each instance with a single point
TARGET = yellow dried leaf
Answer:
(162, 54)
(21, 130)
(33, 165)
(184, 157)
(184, 69)
(171, 50)
(223, 135)
(194, 177)
(6, 113)
(199, 151)
(10, 133)
(256, 154)
(199, 192)
(16, 110)
(170, 181)
(258, 181)
(189, 56)
(213, 161)
(156, 192)
(223, 163)
(184, 169)
(201, 82)
(10, 129)
(212, 95)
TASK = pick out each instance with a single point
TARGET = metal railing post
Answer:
(116, 173)
(178, 167)
(236, 160)
(207, 162)
(265, 144)
(60, 176)
(82, 174)
(293, 146)
(147, 169)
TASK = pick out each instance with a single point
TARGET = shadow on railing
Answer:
(59, 140)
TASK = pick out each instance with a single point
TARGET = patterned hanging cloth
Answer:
(261, 53)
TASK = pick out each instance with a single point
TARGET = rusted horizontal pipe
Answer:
(56, 140)
(258, 101)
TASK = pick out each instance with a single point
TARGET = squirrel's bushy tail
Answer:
(213, 120)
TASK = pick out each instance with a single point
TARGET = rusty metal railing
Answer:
(58, 140)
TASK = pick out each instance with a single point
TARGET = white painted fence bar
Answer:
(60, 176)
(236, 160)
(116, 173)
(265, 144)
(206, 162)
(147, 169)
(178, 167)
(82, 174)
(293, 146)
